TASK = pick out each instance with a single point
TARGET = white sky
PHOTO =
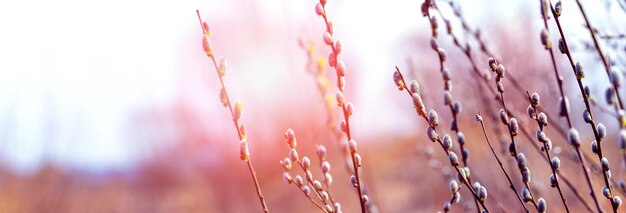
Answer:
(73, 73)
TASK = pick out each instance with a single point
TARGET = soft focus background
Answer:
(112, 106)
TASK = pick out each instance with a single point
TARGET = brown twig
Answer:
(245, 155)
(346, 107)
(579, 76)
(541, 119)
(508, 178)
(399, 80)
(446, 76)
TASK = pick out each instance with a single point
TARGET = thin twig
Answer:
(457, 168)
(206, 33)
(511, 185)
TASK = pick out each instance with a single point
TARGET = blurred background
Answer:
(112, 106)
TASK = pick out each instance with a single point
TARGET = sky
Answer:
(81, 81)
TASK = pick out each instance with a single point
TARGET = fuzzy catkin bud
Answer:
(434, 43)
(442, 54)
(454, 186)
(317, 185)
(617, 202)
(321, 152)
(454, 160)
(460, 137)
(325, 167)
(319, 9)
(349, 109)
(328, 208)
(500, 70)
(601, 130)
(605, 164)
(513, 126)
(447, 142)
(432, 134)
(222, 67)
(332, 59)
(543, 119)
(616, 77)
(500, 85)
(548, 144)
(541, 205)
(541, 136)
(456, 197)
(579, 71)
(594, 147)
(206, 43)
(555, 162)
(535, 99)
(286, 164)
(357, 160)
(545, 40)
(557, 8)
(242, 130)
(238, 110)
(352, 145)
(476, 186)
(445, 74)
(291, 138)
(553, 181)
(328, 38)
(306, 162)
(287, 177)
(299, 181)
(526, 195)
(609, 95)
(328, 178)
(341, 83)
(447, 98)
(223, 97)
(338, 46)
(467, 172)
(397, 79)
(354, 181)
(504, 117)
(244, 152)
(482, 193)
(493, 64)
(343, 126)
(341, 68)
(340, 99)
(414, 87)
(526, 175)
(512, 149)
(293, 154)
(573, 137)
(587, 116)
(306, 190)
(521, 161)
(433, 119)
(419, 105)
(531, 112)
(456, 107)
(606, 192)
(562, 46)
